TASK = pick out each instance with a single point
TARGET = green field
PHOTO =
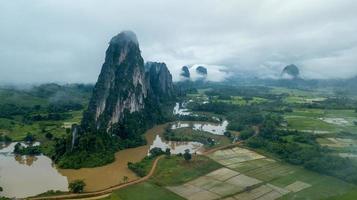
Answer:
(17, 130)
(302, 93)
(281, 174)
(188, 134)
(239, 100)
(143, 191)
(171, 170)
(175, 170)
(317, 120)
(348, 196)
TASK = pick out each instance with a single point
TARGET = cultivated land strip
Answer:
(108, 191)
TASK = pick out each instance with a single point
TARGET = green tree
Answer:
(77, 186)
(168, 151)
(187, 155)
(245, 134)
(227, 134)
(18, 148)
(156, 151)
(49, 135)
(29, 138)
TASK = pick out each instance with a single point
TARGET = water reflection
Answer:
(214, 128)
(177, 125)
(180, 109)
(25, 160)
(112, 174)
(177, 147)
(23, 176)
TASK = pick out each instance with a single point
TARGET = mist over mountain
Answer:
(290, 72)
(128, 98)
(61, 47)
(125, 84)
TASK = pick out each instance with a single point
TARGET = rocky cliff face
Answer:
(124, 84)
(160, 79)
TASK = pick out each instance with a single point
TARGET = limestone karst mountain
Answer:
(125, 84)
(185, 72)
(290, 72)
(160, 80)
(128, 98)
(201, 71)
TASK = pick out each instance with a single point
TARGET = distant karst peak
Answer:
(290, 72)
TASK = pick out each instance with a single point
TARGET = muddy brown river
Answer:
(28, 176)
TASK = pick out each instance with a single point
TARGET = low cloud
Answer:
(65, 41)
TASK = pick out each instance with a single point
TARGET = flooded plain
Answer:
(29, 176)
(214, 128)
(23, 176)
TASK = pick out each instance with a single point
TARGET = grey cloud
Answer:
(65, 41)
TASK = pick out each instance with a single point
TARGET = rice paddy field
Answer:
(247, 175)
(336, 129)
(322, 121)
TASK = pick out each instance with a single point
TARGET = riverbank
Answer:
(104, 192)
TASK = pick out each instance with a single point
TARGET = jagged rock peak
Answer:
(121, 84)
(185, 72)
(124, 37)
(155, 65)
(125, 85)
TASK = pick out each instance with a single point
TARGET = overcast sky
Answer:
(65, 41)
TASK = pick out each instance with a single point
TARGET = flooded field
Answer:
(23, 176)
(112, 174)
(177, 147)
(180, 109)
(28, 176)
(214, 128)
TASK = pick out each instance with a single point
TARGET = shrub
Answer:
(29, 138)
(30, 150)
(77, 186)
(156, 151)
(168, 152)
(49, 135)
(245, 134)
(187, 155)
(138, 168)
(228, 134)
